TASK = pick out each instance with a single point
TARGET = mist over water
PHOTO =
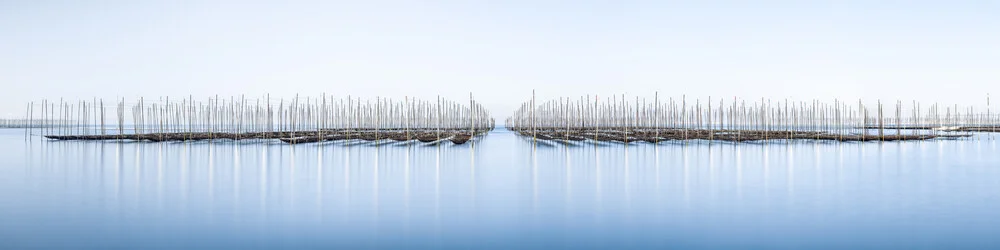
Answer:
(500, 191)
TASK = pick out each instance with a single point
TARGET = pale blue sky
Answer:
(946, 51)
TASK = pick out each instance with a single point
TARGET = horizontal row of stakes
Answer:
(626, 119)
(586, 118)
(298, 120)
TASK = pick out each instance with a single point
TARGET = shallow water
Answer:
(499, 192)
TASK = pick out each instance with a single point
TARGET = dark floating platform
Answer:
(653, 135)
(295, 137)
(298, 120)
(991, 129)
(617, 118)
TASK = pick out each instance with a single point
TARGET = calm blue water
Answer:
(500, 192)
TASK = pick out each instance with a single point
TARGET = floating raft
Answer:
(455, 136)
(621, 119)
(299, 120)
(659, 135)
(991, 129)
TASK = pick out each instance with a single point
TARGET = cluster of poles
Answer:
(611, 118)
(298, 120)
(21, 123)
(622, 119)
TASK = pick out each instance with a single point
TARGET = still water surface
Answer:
(499, 192)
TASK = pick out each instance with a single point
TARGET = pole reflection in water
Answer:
(264, 171)
(236, 178)
(503, 191)
(767, 173)
(628, 182)
(790, 173)
(319, 182)
(568, 186)
(406, 192)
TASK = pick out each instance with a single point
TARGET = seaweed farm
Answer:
(299, 120)
(612, 119)
(622, 119)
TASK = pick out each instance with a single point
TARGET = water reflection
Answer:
(505, 191)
